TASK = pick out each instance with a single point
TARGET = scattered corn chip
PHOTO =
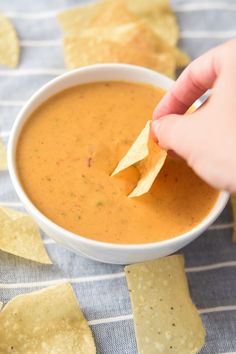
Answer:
(9, 44)
(118, 31)
(134, 43)
(43, 322)
(166, 321)
(3, 157)
(20, 236)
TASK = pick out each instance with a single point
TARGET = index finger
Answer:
(195, 80)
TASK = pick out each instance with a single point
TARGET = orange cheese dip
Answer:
(71, 144)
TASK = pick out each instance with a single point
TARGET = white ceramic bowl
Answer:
(100, 251)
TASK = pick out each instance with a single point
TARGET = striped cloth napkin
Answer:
(101, 288)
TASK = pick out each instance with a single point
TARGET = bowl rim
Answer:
(69, 235)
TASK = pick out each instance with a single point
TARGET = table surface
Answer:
(210, 260)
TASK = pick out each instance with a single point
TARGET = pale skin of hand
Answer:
(206, 139)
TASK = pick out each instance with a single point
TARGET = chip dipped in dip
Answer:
(68, 149)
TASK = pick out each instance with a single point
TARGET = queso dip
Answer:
(71, 144)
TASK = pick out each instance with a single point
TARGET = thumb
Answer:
(177, 133)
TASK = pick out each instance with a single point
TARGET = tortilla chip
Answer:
(161, 19)
(100, 14)
(159, 15)
(9, 44)
(3, 157)
(145, 38)
(133, 43)
(81, 51)
(166, 321)
(140, 35)
(118, 31)
(45, 321)
(149, 169)
(233, 204)
(20, 236)
(1, 305)
(149, 158)
(13, 214)
(114, 13)
(137, 152)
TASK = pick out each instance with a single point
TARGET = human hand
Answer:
(206, 138)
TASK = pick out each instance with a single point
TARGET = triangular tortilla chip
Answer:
(148, 157)
(3, 157)
(117, 31)
(19, 235)
(9, 44)
(149, 169)
(137, 152)
(45, 321)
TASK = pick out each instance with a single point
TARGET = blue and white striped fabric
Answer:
(101, 288)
